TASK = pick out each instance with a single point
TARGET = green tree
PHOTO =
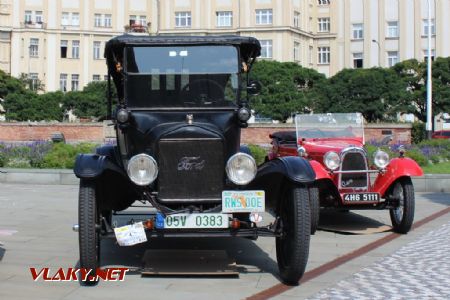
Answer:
(287, 88)
(9, 84)
(33, 85)
(31, 106)
(375, 92)
(441, 85)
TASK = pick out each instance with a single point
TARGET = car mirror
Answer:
(254, 87)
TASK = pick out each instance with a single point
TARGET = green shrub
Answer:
(18, 162)
(435, 159)
(439, 143)
(62, 156)
(418, 156)
(418, 132)
(258, 153)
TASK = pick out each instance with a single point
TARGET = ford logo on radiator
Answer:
(191, 163)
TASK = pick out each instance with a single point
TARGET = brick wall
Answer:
(98, 132)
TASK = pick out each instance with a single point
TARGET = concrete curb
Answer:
(432, 183)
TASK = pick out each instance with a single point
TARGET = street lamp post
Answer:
(429, 126)
(379, 51)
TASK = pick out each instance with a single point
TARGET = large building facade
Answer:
(61, 42)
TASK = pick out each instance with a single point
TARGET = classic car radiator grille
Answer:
(190, 170)
(354, 161)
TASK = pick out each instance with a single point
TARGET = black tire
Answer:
(88, 235)
(402, 216)
(314, 205)
(293, 247)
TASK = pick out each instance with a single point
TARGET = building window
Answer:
(392, 29)
(97, 20)
(358, 60)
(138, 20)
(39, 18)
(263, 16)
(324, 2)
(296, 19)
(266, 48)
(296, 51)
(33, 81)
(324, 24)
(425, 27)
(75, 82)
(101, 20)
(34, 47)
(63, 82)
(310, 54)
(324, 55)
(425, 54)
(224, 18)
(75, 19)
(95, 77)
(65, 18)
(105, 77)
(75, 49)
(97, 50)
(358, 32)
(63, 49)
(392, 58)
(28, 16)
(183, 19)
(108, 20)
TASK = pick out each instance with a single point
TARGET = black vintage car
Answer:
(181, 104)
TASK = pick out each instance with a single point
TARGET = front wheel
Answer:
(402, 216)
(293, 246)
(88, 235)
(314, 204)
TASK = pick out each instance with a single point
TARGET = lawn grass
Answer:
(440, 168)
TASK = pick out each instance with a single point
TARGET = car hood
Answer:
(315, 147)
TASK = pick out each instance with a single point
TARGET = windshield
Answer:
(179, 76)
(336, 125)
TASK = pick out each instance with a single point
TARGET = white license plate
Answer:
(362, 197)
(243, 201)
(180, 221)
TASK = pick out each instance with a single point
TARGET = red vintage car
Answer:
(334, 145)
(441, 134)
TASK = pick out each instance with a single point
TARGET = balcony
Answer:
(31, 24)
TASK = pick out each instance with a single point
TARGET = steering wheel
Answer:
(204, 90)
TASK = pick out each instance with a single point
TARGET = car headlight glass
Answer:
(241, 168)
(381, 159)
(142, 169)
(332, 160)
(302, 151)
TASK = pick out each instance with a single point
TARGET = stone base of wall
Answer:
(99, 132)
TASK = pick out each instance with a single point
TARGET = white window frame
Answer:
(393, 58)
(324, 2)
(75, 82)
(33, 80)
(183, 19)
(297, 48)
(75, 19)
(425, 27)
(34, 47)
(96, 47)
(323, 25)
(95, 77)
(64, 44)
(76, 49)
(264, 16)
(297, 19)
(224, 18)
(28, 16)
(65, 17)
(358, 31)
(107, 20)
(425, 54)
(356, 57)
(323, 55)
(63, 82)
(39, 17)
(392, 29)
(266, 48)
(97, 20)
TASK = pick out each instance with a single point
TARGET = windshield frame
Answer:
(236, 101)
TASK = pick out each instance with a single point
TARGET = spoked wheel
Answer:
(402, 216)
(88, 235)
(293, 246)
(314, 204)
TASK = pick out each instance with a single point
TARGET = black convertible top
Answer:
(250, 47)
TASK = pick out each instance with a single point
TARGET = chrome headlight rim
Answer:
(152, 161)
(328, 157)
(229, 166)
(381, 159)
(301, 151)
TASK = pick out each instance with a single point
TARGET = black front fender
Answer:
(91, 166)
(275, 174)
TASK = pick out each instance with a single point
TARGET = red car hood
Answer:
(318, 147)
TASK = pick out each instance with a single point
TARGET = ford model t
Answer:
(334, 144)
(181, 104)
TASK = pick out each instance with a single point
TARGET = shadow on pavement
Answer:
(2, 252)
(349, 223)
(439, 198)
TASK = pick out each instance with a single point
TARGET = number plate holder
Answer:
(361, 198)
(196, 221)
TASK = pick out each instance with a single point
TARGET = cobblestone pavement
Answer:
(418, 270)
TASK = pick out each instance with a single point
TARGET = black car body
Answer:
(181, 104)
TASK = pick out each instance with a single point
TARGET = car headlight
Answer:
(302, 151)
(381, 159)
(241, 168)
(142, 169)
(332, 160)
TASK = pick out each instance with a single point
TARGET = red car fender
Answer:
(398, 167)
(321, 172)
